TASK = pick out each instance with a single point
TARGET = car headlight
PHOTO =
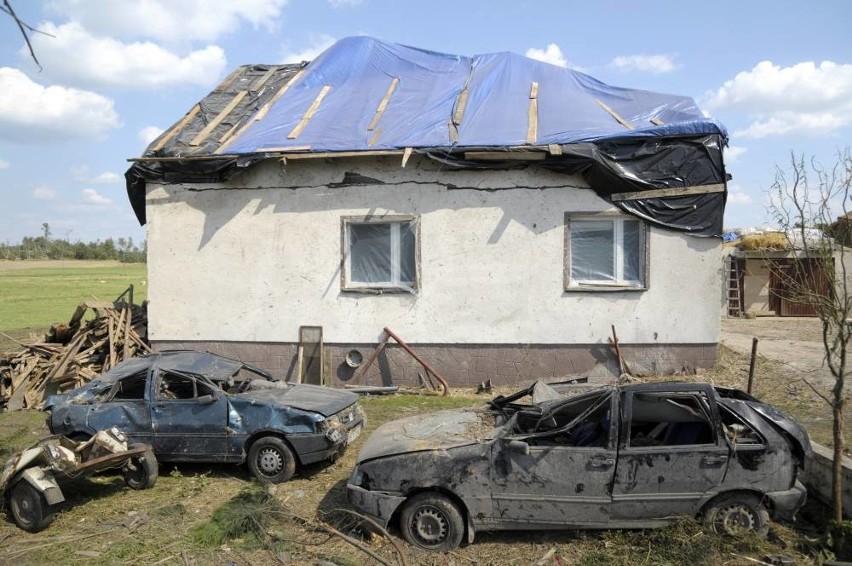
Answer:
(332, 428)
(330, 423)
(53, 452)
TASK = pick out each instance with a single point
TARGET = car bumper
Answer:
(377, 505)
(312, 448)
(785, 504)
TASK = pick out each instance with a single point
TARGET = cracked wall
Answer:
(250, 260)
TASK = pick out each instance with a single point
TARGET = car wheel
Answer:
(29, 508)
(271, 460)
(141, 470)
(735, 514)
(432, 521)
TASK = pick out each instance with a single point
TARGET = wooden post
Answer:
(751, 364)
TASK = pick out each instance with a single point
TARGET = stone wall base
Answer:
(466, 365)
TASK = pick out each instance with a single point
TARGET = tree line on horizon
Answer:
(44, 247)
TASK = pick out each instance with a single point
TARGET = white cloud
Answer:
(91, 196)
(804, 98)
(656, 64)
(107, 178)
(81, 174)
(43, 192)
(100, 61)
(734, 152)
(784, 122)
(318, 44)
(4, 164)
(149, 134)
(738, 197)
(552, 54)
(32, 112)
(167, 20)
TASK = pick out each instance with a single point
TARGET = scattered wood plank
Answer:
(83, 352)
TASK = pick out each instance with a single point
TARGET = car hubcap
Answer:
(270, 461)
(737, 520)
(430, 525)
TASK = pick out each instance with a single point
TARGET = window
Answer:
(380, 255)
(670, 419)
(605, 253)
(179, 386)
(131, 388)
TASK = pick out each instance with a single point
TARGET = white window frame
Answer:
(395, 284)
(619, 284)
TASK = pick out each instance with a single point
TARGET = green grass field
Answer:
(35, 294)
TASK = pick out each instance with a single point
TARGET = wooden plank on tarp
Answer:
(383, 105)
(208, 129)
(532, 115)
(312, 109)
(615, 115)
(676, 192)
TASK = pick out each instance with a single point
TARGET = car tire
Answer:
(432, 521)
(142, 470)
(29, 508)
(270, 459)
(735, 514)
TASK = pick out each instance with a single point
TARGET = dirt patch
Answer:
(795, 342)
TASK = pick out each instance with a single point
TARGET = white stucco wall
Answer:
(260, 255)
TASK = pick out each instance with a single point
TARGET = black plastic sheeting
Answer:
(634, 165)
(609, 167)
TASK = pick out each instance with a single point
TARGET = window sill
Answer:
(379, 290)
(604, 288)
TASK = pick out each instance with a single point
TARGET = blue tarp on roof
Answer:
(655, 156)
(357, 72)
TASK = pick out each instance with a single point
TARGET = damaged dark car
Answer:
(199, 407)
(636, 456)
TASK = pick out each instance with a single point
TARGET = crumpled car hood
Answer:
(435, 431)
(323, 400)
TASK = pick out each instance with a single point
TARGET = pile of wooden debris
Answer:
(74, 353)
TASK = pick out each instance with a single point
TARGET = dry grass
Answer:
(766, 241)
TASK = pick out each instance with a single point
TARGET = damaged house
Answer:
(498, 213)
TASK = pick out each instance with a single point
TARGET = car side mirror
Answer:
(519, 447)
(207, 399)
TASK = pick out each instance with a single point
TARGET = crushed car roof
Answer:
(189, 361)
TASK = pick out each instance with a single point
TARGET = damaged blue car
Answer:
(199, 407)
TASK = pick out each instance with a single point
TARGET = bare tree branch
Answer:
(805, 200)
(25, 28)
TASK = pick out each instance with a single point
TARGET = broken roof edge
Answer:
(630, 165)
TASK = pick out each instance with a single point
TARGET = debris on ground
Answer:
(74, 353)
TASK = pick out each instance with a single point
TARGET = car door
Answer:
(565, 475)
(671, 452)
(189, 417)
(125, 406)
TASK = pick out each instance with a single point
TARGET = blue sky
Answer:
(778, 74)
